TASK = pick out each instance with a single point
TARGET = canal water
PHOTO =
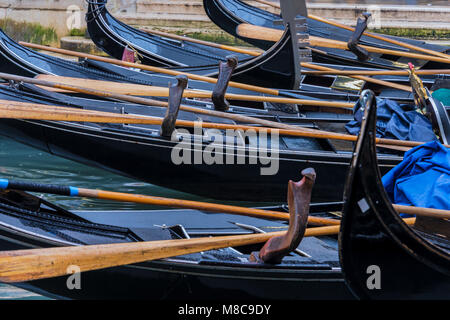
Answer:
(21, 162)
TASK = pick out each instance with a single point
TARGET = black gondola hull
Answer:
(213, 275)
(150, 160)
(382, 257)
(228, 14)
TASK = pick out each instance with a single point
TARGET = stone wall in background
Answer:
(64, 15)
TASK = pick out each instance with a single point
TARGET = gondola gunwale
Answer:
(89, 69)
(193, 268)
(57, 138)
(262, 64)
(99, 14)
(54, 137)
(385, 226)
(137, 138)
(223, 16)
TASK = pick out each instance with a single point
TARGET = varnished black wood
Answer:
(373, 236)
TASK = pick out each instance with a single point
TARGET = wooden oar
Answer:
(152, 102)
(372, 35)
(21, 110)
(202, 42)
(154, 91)
(425, 212)
(273, 34)
(364, 78)
(157, 201)
(377, 72)
(273, 92)
(194, 205)
(270, 34)
(150, 68)
(34, 264)
(314, 41)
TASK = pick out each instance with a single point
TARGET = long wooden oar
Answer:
(425, 212)
(364, 78)
(202, 42)
(377, 72)
(34, 264)
(154, 91)
(21, 110)
(372, 35)
(273, 92)
(157, 201)
(380, 72)
(359, 77)
(194, 205)
(152, 102)
(150, 68)
(270, 34)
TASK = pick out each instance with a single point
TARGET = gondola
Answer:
(273, 69)
(113, 36)
(142, 153)
(139, 149)
(19, 60)
(97, 142)
(29, 222)
(228, 14)
(412, 263)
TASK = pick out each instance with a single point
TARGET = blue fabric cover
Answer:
(422, 179)
(395, 121)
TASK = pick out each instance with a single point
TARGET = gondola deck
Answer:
(272, 69)
(139, 149)
(28, 222)
(411, 264)
(228, 14)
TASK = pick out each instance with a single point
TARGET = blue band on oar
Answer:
(4, 183)
(73, 191)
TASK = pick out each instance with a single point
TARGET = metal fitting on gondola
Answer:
(361, 26)
(299, 199)
(225, 72)
(176, 91)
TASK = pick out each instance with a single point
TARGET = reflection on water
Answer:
(25, 163)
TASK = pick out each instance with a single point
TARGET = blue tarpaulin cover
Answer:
(395, 121)
(422, 179)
